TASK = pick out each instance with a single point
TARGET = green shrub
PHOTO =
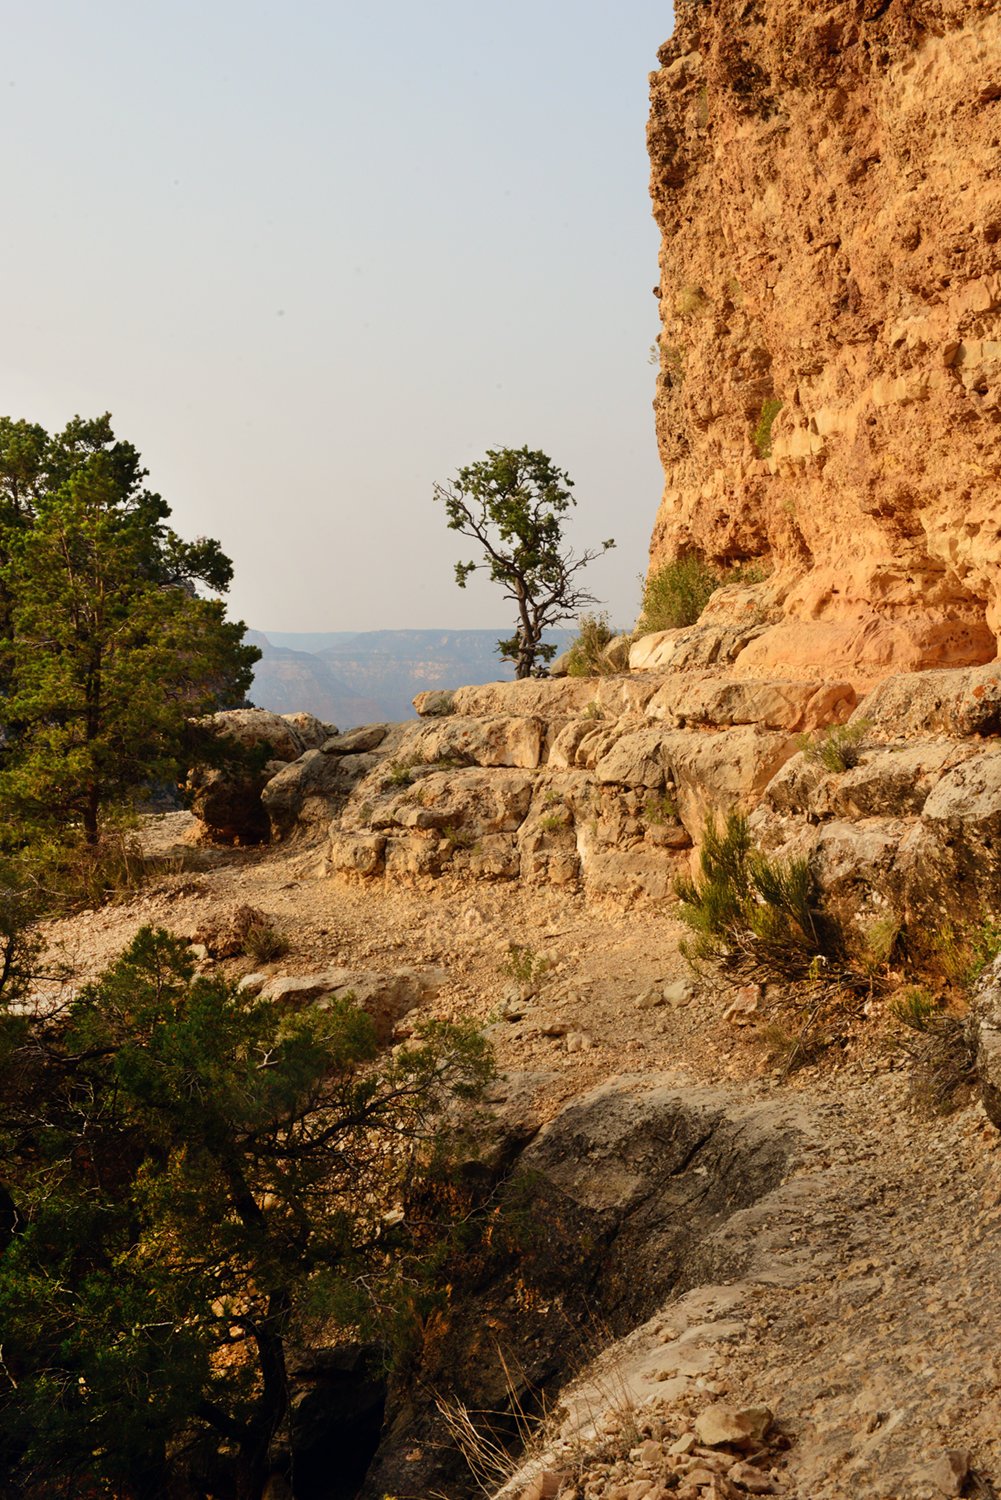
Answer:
(203, 1179)
(660, 808)
(263, 942)
(524, 965)
(837, 748)
(459, 838)
(763, 432)
(690, 301)
(586, 657)
(678, 593)
(958, 955)
(940, 1046)
(755, 913)
(66, 876)
(400, 773)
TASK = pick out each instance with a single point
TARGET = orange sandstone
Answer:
(827, 180)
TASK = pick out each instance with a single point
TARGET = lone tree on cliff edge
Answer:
(513, 503)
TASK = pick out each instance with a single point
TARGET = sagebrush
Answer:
(586, 656)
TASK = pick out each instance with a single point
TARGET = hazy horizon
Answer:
(315, 260)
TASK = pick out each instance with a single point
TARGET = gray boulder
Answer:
(253, 744)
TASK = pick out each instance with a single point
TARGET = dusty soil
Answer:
(871, 1320)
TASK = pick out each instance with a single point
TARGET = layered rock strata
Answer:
(603, 783)
(827, 181)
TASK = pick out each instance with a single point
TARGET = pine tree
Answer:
(198, 1176)
(106, 648)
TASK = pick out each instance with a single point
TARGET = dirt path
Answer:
(872, 1322)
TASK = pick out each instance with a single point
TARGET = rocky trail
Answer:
(862, 1306)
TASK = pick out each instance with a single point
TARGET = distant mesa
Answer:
(362, 677)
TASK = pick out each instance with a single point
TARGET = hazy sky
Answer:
(314, 256)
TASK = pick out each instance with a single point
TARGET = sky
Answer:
(315, 256)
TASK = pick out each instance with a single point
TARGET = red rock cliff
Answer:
(827, 180)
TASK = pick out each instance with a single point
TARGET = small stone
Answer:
(579, 1041)
(720, 1424)
(198, 951)
(743, 1005)
(650, 1452)
(950, 1472)
(545, 1486)
(548, 1025)
(683, 1444)
(721, 1489)
(680, 993)
(751, 1479)
(251, 984)
(674, 1386)
(700, 1476)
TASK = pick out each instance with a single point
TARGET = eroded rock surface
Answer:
(635, 1189)
(827, 182)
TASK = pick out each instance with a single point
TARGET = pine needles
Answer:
(756, 914)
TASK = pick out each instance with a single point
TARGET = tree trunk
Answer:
(91, 828)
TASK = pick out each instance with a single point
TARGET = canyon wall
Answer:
(827, 181)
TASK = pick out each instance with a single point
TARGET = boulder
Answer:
(356, 853)
(719, 1425)
(626, 875)
(356, 741)
(228, 803)
(616, 653)
(855, 860)
(722, 701)
(889, 781)
(302, 798)
(549, 698)
(700, 645)
(961, 701)
(435, 704)
(501, 741)
(254, 744)
(386, 997)
(950, 862)
(311, 731)
(715, 772)
(475, 801)
(251, 728)
(637, 757)
(897, 781)
(630, 1191)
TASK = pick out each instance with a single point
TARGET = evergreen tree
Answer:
(197, 1177)
(106, 648)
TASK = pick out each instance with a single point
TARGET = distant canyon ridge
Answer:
(361, 677)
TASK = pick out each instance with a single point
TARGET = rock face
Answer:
(603, 782)
(637, 1189)
(827, 181)
(250, 745)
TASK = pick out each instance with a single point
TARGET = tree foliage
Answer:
(198, 1177)
(513, 503)
(106, 648)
